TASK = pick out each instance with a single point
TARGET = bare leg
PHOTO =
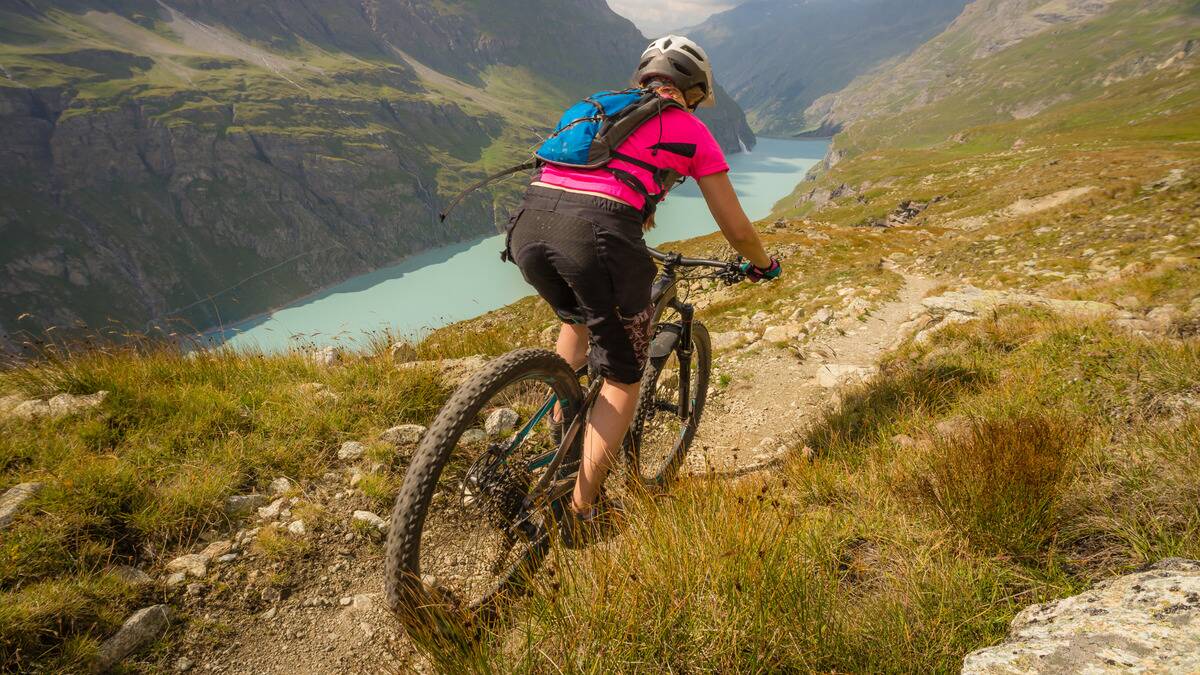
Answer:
(606, 427)
(572, 346)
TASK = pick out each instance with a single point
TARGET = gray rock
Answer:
(216, 549)
(831, 375)
(472, 436)
(403, 435)
(325, 356)
(139, 630)
(1163, 317)
(823, 315)
(403, 352)
(501, 421)
(280, 486)
(130, 575)
(28, 410)
(298, 528)
(176, 579)
(973, 301)
(67, 404)
(370, 519)
(453, 371)
(225, 559)
(731, 339)
(271, 511)
(184, 664)
(1145, 622)
(240, 506)
(351, 450)
(192, 564)
(14, 498)
(8, 402)
(779, 335)
(1130, 302)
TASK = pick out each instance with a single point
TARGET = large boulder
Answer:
(973, 301)
(1146, 622)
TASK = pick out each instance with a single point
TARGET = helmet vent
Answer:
(681, 69)
(667, 44)
(693, 52)
(643, 64)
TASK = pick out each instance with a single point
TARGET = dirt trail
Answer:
(773, 392)
(331, 620)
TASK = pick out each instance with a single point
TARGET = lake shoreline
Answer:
(438, 287)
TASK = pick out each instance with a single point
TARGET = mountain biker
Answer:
(577, 237)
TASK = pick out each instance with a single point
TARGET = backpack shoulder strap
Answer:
(532, 164)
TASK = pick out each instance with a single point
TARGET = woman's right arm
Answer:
(735, 225)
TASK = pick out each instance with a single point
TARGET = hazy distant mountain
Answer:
(778, 56)
(205, 160)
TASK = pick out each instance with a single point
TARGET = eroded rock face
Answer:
(1147, 622)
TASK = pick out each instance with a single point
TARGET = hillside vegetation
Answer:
(1003, 454)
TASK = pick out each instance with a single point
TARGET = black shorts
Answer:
(586, 257)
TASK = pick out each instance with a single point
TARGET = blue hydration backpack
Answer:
(587, 137)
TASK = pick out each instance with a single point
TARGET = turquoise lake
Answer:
(464, 280)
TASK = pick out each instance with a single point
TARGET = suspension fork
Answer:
(684, 349)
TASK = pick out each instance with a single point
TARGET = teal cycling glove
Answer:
(757, 274)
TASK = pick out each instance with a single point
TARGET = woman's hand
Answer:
(727, 211)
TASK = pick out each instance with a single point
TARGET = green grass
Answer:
(149, 470)
(882, 556)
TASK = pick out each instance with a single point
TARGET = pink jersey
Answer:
(675, 139)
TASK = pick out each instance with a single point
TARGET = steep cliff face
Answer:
(778, 56)
(196, 162)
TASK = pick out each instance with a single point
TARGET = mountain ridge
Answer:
(778, 56)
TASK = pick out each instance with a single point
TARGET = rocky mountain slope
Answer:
(778, 56)
(198, 162)
(1008, 59)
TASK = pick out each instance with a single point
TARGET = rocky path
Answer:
(775, 387)
(330, 618)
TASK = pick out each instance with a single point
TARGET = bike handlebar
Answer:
(677, 259)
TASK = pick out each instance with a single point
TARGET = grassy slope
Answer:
(1063, 450)
(878, 554)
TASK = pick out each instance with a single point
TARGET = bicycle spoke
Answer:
(469, 539)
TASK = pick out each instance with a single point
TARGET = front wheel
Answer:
(660, 435)
(461, 535)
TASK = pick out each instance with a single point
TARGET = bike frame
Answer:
(675, 337)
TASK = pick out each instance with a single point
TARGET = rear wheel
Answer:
(660, 437)
(460, 536)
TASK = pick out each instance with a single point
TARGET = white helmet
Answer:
(679, 60)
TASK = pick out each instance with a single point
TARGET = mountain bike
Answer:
(489, 481)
